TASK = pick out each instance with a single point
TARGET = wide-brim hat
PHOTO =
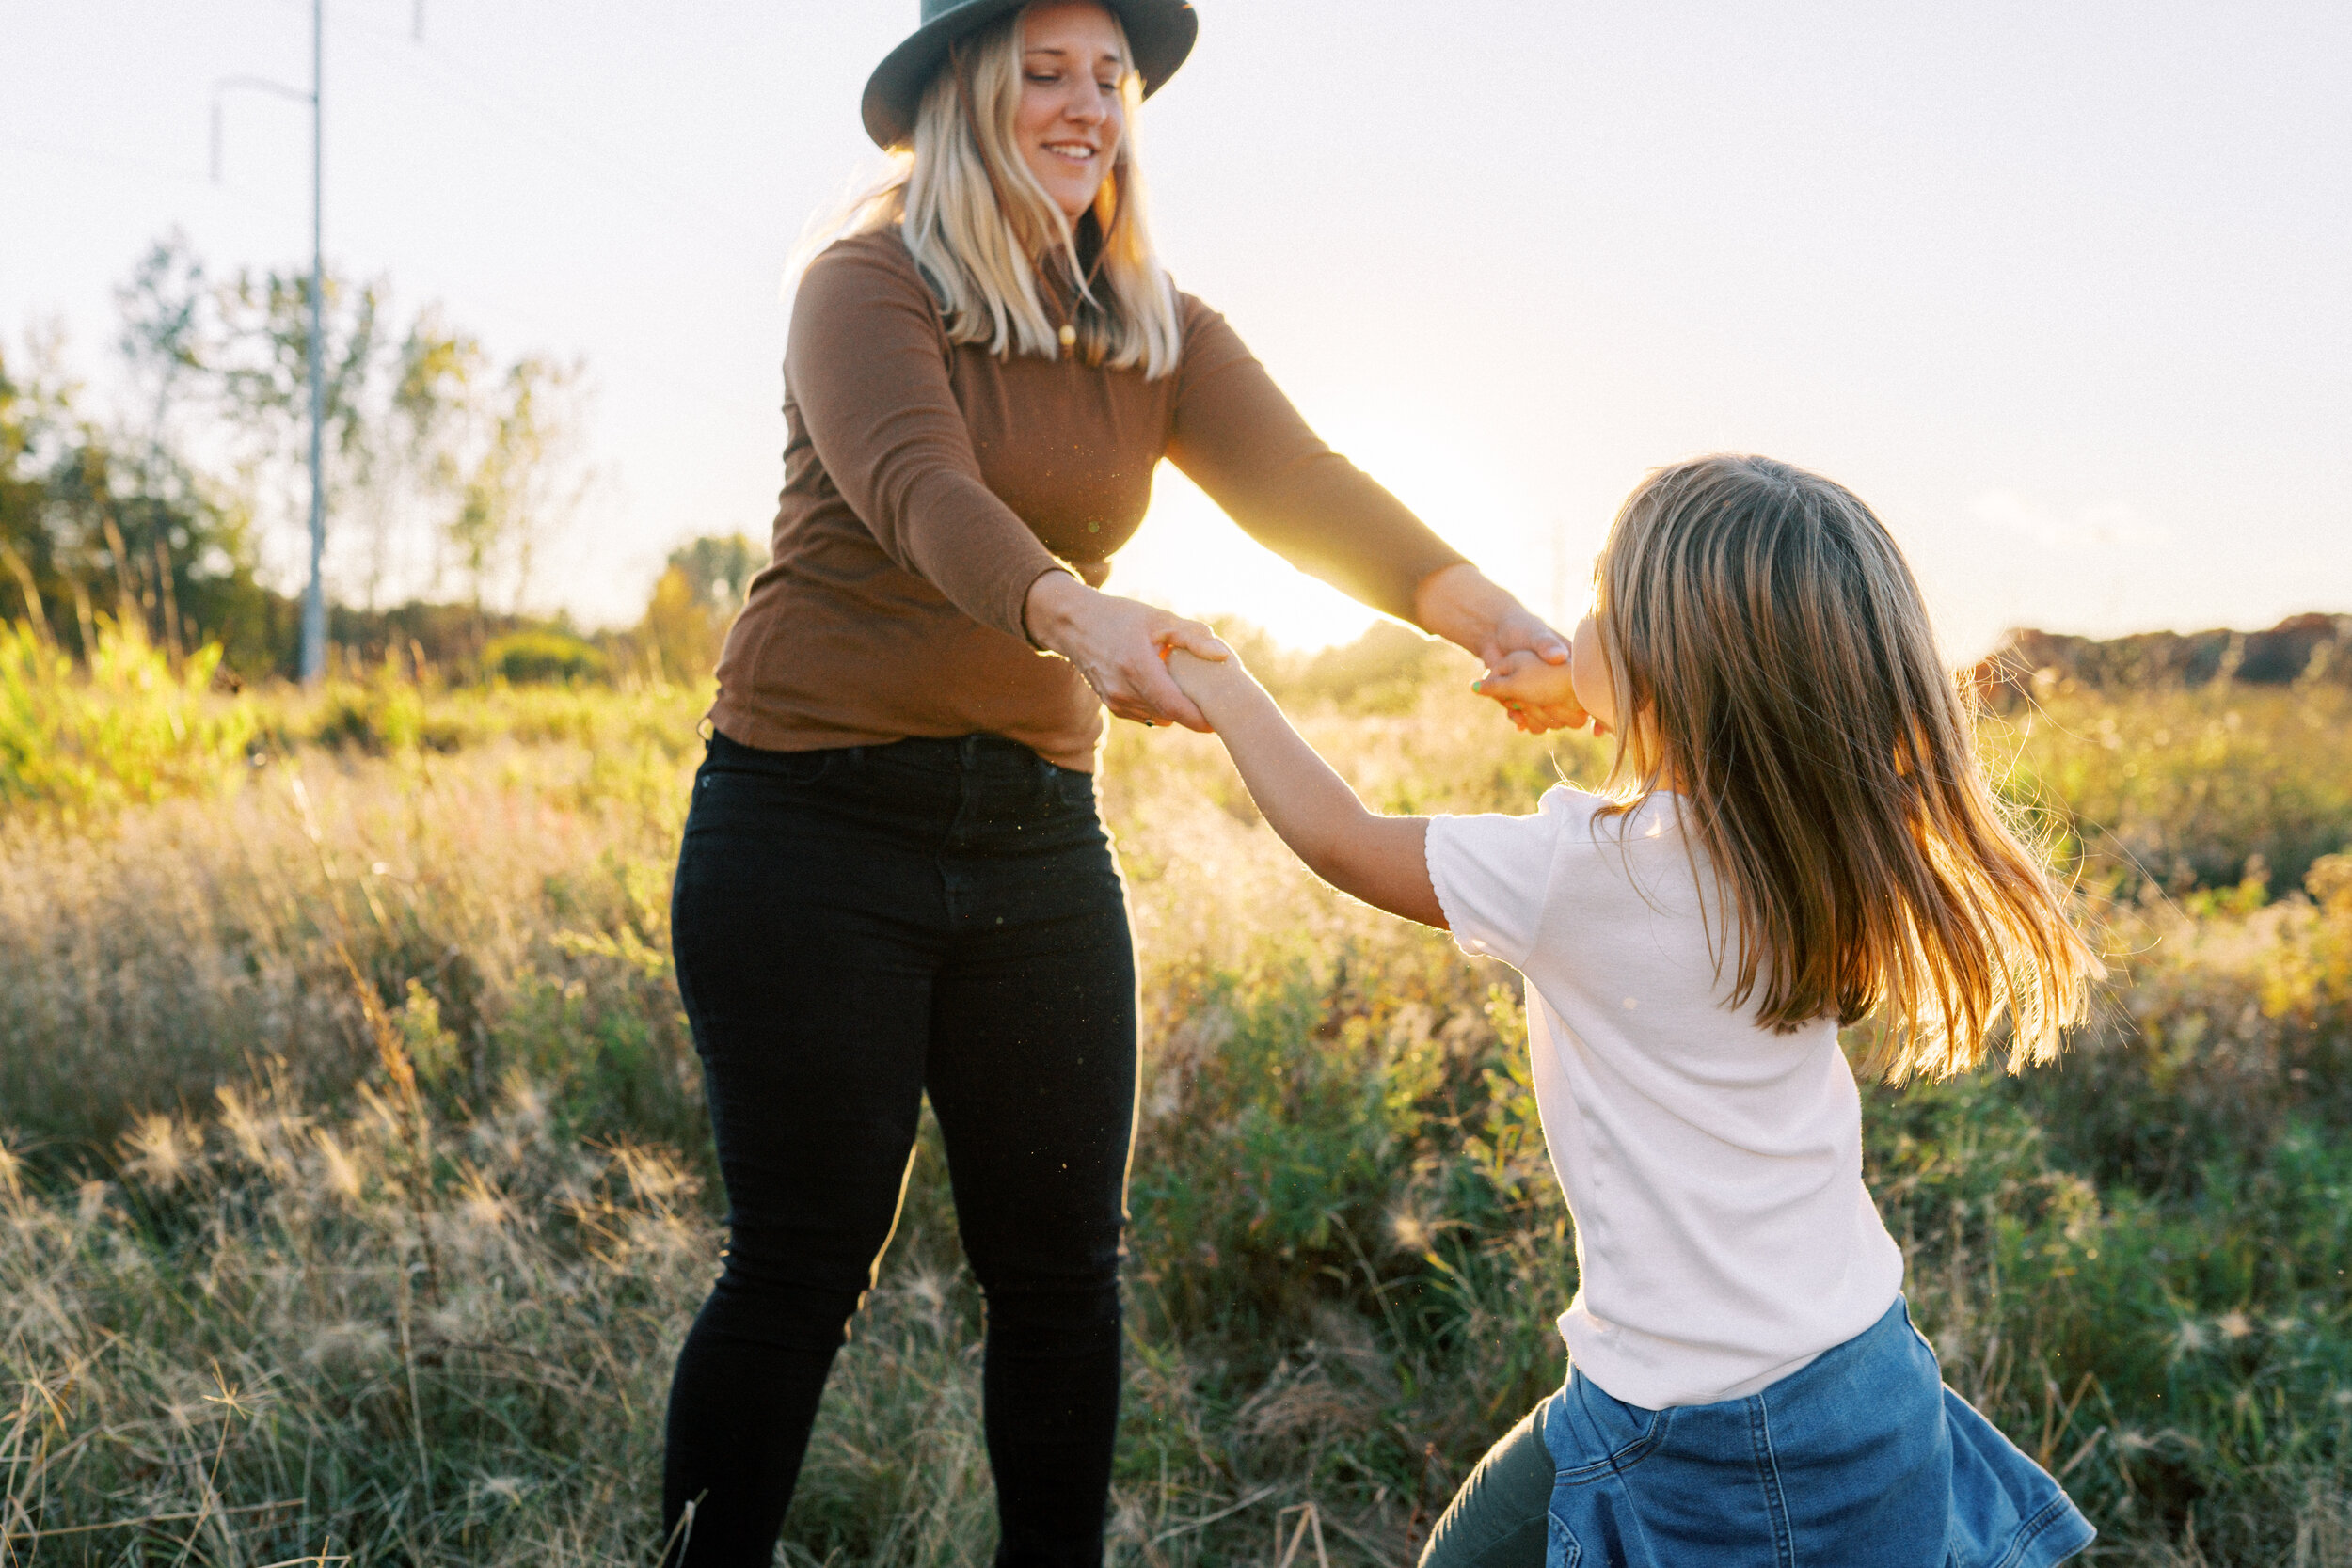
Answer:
(1160, 34)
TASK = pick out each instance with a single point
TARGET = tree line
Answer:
(449, 473)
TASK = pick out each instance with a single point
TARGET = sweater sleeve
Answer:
(867, 365)
(1240, 440)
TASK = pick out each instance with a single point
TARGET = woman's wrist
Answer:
(1469, 610)
(1461, 604)
(1050, 612)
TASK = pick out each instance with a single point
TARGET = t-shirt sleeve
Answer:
(867, 362)
(1244, 443)
(1493, 875)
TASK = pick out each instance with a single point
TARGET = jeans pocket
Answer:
(1591, 1433)
(778, 775)
(1074, 789)
(1560, 1547)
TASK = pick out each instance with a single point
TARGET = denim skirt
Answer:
(1860, 1457)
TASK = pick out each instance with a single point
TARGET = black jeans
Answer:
(854, 929)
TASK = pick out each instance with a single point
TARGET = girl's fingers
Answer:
(1152, 694)
(1194, 638)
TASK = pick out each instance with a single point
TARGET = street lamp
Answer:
(314, 596)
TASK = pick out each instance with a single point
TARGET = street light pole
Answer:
(315, 598)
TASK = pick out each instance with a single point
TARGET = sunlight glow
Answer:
(1190, 557)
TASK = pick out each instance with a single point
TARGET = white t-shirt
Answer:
(1724, 1236)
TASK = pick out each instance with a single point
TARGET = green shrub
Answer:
(535, 657)
(129, 729)
(385, 713)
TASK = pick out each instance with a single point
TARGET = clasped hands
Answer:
(1120, 646)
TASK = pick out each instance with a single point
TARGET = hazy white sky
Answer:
(2065, 291)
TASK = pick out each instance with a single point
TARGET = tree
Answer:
(695, 601)
(440, 461)
(92, 518)
(22, 540)
(522, 484)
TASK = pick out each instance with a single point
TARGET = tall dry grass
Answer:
(357, 1194)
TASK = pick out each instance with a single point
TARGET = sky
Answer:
(2064, 291)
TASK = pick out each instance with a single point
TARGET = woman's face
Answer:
(1071, 111)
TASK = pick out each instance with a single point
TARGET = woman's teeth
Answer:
(1077, 151)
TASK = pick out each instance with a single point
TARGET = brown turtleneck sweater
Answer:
(929, 484)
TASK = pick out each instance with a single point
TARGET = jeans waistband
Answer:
(963, 753)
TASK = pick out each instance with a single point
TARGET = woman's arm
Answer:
(867, 364)
(1236, 436)
(1242, 441)
(1380, 860)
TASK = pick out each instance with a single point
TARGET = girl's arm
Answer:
(1380, 860)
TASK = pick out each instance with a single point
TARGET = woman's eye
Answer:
(1044, 79)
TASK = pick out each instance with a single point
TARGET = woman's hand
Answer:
(1118, 647)
(1526, 660)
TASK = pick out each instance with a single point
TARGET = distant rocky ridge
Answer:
(2306, 648)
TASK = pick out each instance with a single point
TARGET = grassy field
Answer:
(354, 1191)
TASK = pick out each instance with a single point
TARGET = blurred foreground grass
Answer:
(354, 1191)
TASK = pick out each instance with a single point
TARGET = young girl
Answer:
(1799, 838)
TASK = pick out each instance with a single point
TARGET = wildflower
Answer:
(340, 1169)
(2190, 1337)
(350, 1342)
(154, 1151)
(2234, 1325)
(483, 1206)
(232, 1398)
(251, 1129)
(650, 1176)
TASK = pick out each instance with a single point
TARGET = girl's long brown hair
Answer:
(1764, 627)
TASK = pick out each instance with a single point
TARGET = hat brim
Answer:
(1160, 33)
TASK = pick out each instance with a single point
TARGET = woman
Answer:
(893, 881)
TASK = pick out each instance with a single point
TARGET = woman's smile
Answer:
(1074, 73)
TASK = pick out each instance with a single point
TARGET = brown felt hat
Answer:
(1160, 32)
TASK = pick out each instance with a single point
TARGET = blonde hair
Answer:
(1770, 653)
(988, 239)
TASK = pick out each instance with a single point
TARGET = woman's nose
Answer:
(1090, 106)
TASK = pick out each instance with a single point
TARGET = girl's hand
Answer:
(1462, 606)
(1201, 678)
(1538, 695)
(1118, 647)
